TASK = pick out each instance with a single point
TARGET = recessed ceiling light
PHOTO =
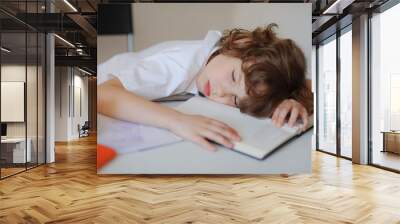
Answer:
(5, 49)
(337, 7)
(65, 41)
(70, 5)
(84, 71)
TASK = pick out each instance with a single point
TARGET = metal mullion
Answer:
(13, 174)
(60, 87)
(37, 90)
(44, 71)
(333, 154)
(385, 6)
(385, 168)
(369, 91)
(45, 98)
(345, 157)
(0, 96)
(26, 88)
(69, 92)
(21, 171)
(317, 96)
(73, 92)
(338, 73)
(11, 15)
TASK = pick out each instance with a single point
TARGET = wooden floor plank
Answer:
(70, 191)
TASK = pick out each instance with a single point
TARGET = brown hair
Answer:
(274, 69)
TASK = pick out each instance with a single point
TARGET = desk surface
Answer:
(390, 132)
(188, 158)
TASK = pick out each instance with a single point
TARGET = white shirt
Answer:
(162, 70)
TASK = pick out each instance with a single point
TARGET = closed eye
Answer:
(235, 100)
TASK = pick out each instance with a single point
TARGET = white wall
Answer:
(67, 114)
(79, 117)
(61, 103)
(34, 126)
(17, 73)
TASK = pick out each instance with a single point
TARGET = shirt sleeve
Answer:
(153, 77)
(114, 66)
(154, 73)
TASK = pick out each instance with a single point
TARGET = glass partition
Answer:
(13, 95)
(32, 86)
(385, 89)
(41, 87)
(327, 96)
(31, 99)
(22, 77)
(346, 92)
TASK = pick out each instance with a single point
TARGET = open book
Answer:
(259, 136)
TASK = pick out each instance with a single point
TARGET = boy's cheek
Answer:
(222, 100)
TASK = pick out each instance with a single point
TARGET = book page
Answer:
(259, 136)
(127, 137)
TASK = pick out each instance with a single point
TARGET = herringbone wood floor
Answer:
(69, 191)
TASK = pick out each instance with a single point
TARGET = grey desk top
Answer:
(188, 158)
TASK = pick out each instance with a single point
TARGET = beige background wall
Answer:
(157, 22)
(109, 45)
(71, 95)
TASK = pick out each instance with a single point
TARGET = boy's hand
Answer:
(292, 107)
(198, 129)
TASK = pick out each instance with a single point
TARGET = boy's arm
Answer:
(114, 101)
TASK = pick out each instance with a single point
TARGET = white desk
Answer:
(18, 150)
(188, 158)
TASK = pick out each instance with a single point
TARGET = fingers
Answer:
(275, 116)
(280, 113)
(199, 128)
(293, 116)
(304, 117)
(218, 138)
(204, 143)
(292, 107)
(225, 130)
(282, 116)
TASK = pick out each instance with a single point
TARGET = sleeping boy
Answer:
(256, 71)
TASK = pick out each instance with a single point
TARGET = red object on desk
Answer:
(104, 155)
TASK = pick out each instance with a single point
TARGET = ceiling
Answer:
(76, 22)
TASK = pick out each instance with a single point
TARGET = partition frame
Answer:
(382, 8)
(339, 32)
(44, 84)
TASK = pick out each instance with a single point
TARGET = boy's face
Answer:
(222, 80)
